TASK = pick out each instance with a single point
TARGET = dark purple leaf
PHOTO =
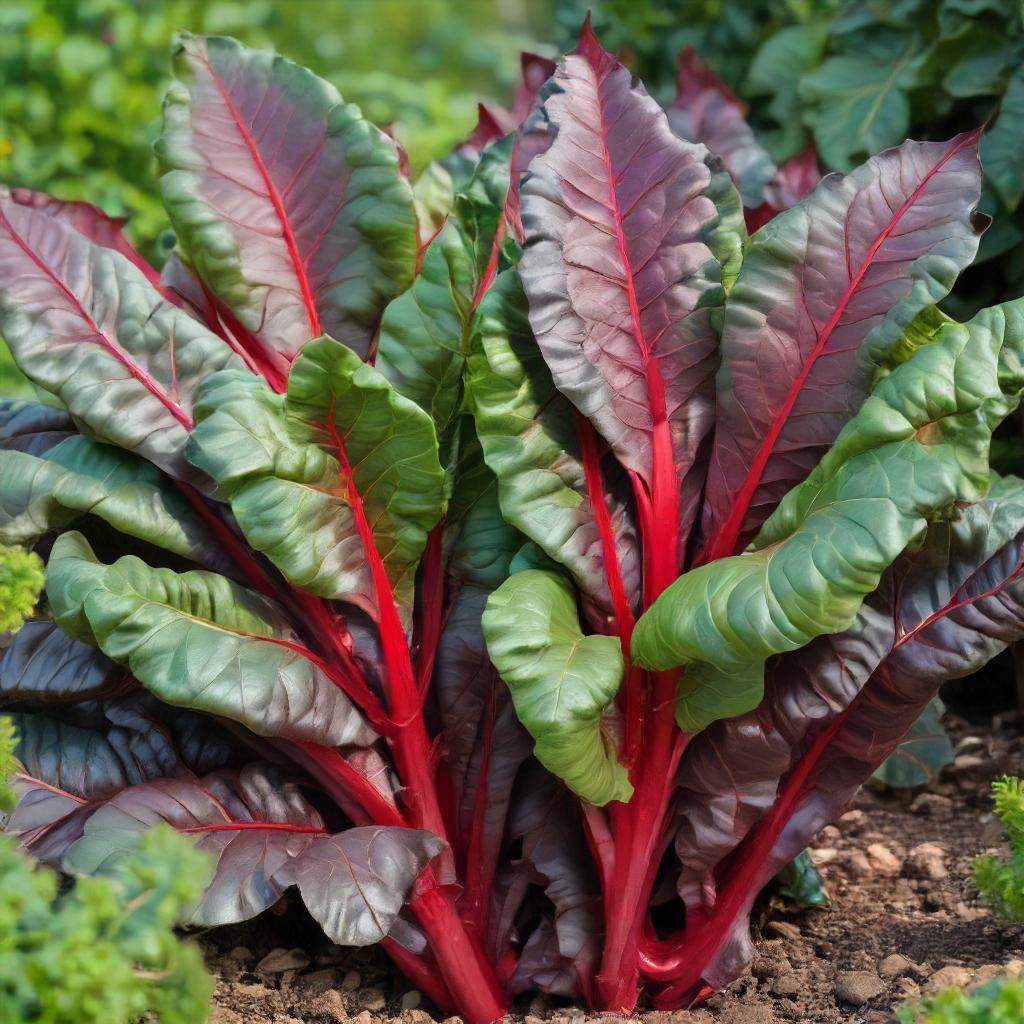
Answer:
(485, 744)
(42, 663)
(820, 299)
(546, 818)
(834, 711)
(707, 110)
(619, 277)
(263, 835)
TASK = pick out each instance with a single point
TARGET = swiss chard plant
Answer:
(525, 562)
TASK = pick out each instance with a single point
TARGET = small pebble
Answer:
(858, 987)
(883, 860)
(277, 961)
(787, 986)
(894, 965)
(928, 860)
(947, 977)
(372, 999)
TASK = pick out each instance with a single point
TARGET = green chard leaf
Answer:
(918, 445)
(561, 681)
(424, 334)
(339, 463)
(197, 640)
(86, 325)
(528, 434)
(80, 476)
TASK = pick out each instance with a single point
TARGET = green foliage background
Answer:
(81, 80)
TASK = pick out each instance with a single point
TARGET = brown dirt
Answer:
(888, 897)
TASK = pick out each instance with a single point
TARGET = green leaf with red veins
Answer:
(424, 334)
(288, 204)
(196, 640)
(338, 482)
(86, 325)
(530, 440)
(561, 681)
(918, 445)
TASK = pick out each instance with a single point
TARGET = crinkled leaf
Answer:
(479, 544)
(837, 708)
(92, 763)
(264, 836)
(561, 681)
(620, 279)
(80, 476)
(198, 640)
(529, 439)
(547, 820)
(87, 326)
(289, 205)
(918, 444)
(86, 219)
(341, 460)
(826, 291)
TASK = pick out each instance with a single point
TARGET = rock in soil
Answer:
(858, 987)
(948, 977)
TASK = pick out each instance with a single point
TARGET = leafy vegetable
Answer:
(1002, 881)
(484, 556)
(924, 752)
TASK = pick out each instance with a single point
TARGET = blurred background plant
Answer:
(81, 80)
(999, 1002)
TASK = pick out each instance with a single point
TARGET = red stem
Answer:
(257, 826)
(479, 867)
(357, 786)
(745, 875)
(467, 973)
(432, 597)
(423, 975)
